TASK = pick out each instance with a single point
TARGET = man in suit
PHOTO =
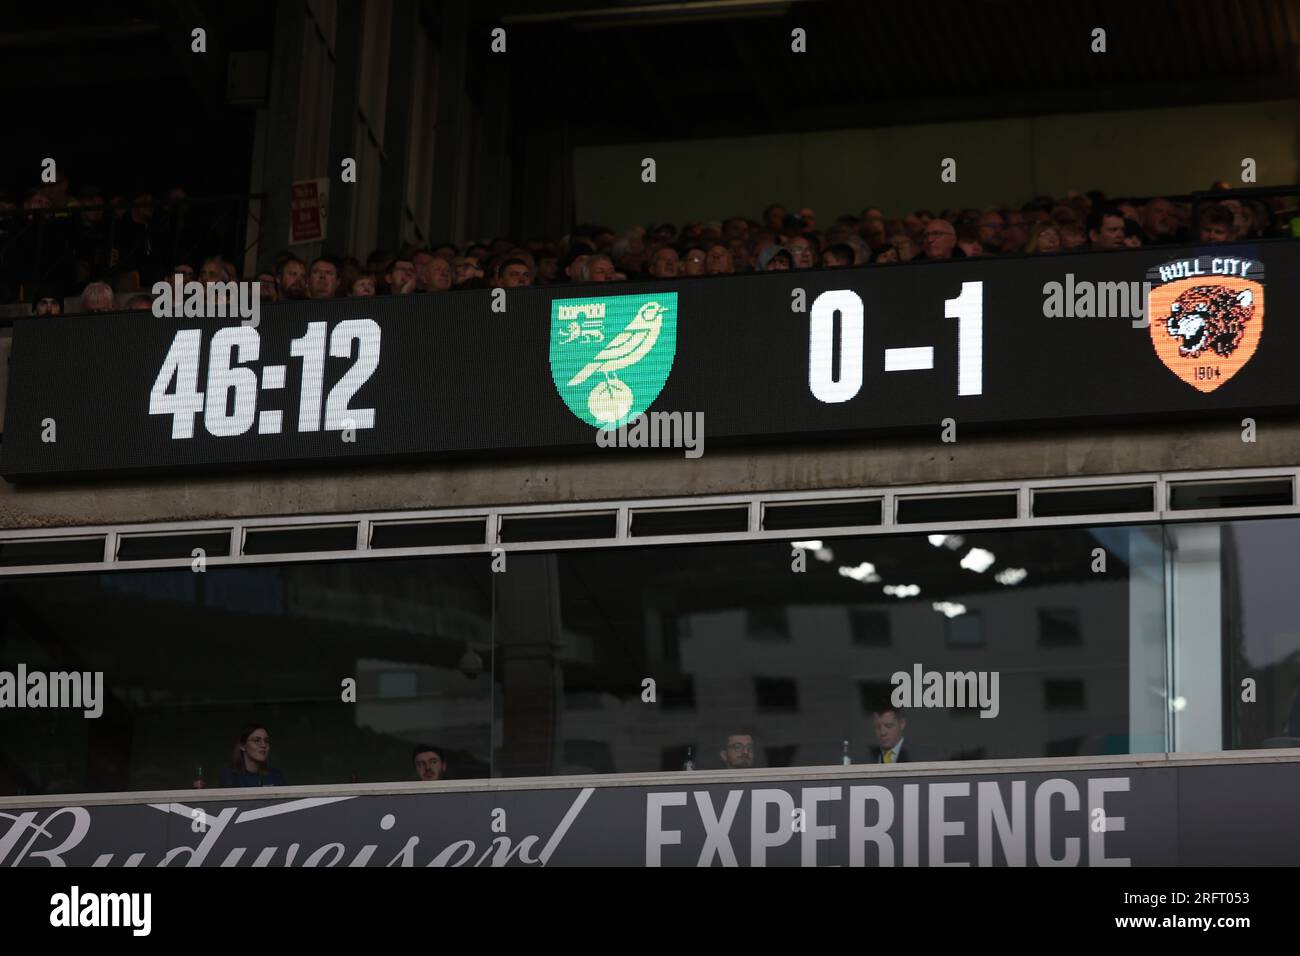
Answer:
(890, 724)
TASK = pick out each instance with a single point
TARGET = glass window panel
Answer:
(600, 622)
(189, 659)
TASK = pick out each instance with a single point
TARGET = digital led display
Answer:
(774, 358)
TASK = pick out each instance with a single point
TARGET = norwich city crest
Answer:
(611, 354)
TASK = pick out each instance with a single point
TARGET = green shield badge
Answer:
(611, 354)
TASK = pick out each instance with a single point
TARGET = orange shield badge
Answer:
(1207, 318)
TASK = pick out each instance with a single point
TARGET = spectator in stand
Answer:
(425, 280)
(885, 255)
(467, 271)
(291, 279)
(774, 218)
(571, 265)
(904, 246)
(1241, 227)
(362, 285)
(212, 270)
(92, 248)
(1015, 232)
(400, 276)
(349, 268)
(140, 303)
(1159, 222)
(809, 219)
(740, 259)
(717, 260)
(1072, 236)
(1106, 228)
(513, 273)
(133, 238)
(775, 259)
(97, 297)
(1216, 223)
(429, 762)
(738, 751)
(692, 261)
(548, 263)
(323, 279)
(968, 240)
(249, 763)
(737, 227)
(663, 264)
(266, 285)
(598, 268)
(378, 262)
(1132, 234)
(802, 252)
(47, 302)
(1043, 237)
(990, 236)
(874, 233)
(838, 256)
(940, 241)
(890, 725)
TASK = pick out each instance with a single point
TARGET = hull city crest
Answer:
(1206, 317)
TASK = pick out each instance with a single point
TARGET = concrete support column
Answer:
(397, 123)
(343, 121)
(526, 635)
(491, 193)
(282, 124)
(447, 211)
(541, 162)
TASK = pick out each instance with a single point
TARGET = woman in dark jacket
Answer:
(249, 765)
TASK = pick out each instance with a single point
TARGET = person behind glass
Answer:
(738, 754)
(428, 761)
(889, 725)
(249, 764)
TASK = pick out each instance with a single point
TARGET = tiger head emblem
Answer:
(1210, 317)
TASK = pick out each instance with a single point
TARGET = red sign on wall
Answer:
(308, 210)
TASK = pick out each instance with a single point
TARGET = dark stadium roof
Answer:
(656, 72)
(80, 73)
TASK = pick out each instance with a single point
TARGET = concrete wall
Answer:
(596, 478)
(1135, 152)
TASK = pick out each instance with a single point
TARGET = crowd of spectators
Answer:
(99, 246)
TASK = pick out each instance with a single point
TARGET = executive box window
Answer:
(1237, 650)
(189, 659)
(618, 660)
(863, 610)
